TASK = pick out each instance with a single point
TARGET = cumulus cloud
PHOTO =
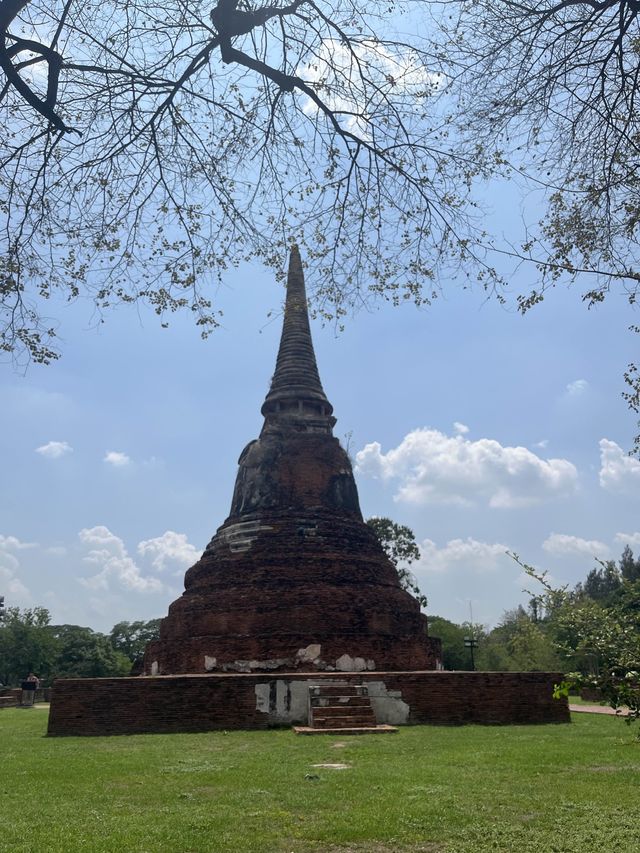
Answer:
(468, 554)
(12, 543)
(11, 586)
(117, 459)
(109, 554)
(170, 548)
(433, 467)
(618, 471)
(54, 449)
(562, 544)
(631, 539)
(576, 388)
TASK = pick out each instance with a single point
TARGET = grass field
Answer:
(461, 790)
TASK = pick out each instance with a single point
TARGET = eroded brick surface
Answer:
(197, 703)
(294, 566)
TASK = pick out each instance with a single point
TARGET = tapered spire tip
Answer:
(296, 378)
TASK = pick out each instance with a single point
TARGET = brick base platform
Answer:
(200, 703)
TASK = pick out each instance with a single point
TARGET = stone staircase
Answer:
(341, 707)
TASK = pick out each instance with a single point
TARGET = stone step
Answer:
(344, 722)
(342, 711)
(340, 701)
(338, 689)
(340, 705)
(352, 730)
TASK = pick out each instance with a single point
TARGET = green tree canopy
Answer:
(25, 644)
(30, 643)
(602, 642)
(83, 653)
(399, 544)
(131, 638)
(454, 653)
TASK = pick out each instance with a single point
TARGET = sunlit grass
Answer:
(462, 790)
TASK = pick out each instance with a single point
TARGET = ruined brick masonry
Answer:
(199, 703)
(294, 578)
(294, 589)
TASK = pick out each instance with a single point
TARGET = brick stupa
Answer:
(294, 579)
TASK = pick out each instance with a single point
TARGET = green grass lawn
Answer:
(461, 790)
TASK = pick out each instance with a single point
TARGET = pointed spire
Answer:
(296, 387)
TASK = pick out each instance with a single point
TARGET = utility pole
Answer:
(471, 642)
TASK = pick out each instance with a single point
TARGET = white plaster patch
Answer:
(310, 653)
(250, 665)
(262, 698)
(387, 704)
(155, 668)
(284, 701)
(210, 663)
(346, 663)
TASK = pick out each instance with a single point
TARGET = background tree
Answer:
(25, 644)
(601, 584)
(399, 544)
(454, 653)
(130, 638)
(84, 653)
(604, 641)
(150, 145)
(629, 566)
(28, 642)
(519, 643)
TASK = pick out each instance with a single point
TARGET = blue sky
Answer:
(481, 429)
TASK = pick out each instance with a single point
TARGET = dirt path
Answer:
(596, 709)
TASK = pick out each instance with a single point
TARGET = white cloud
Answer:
(433, 467)
(576, 388)
(563, 544)
(14, 590)
(618, 471)
(468, 554)
(12, 543)
(171, 547)
(54, 449)
(542, 444)
(460, 429)
(335, 73)
(117, 459)
(631, 539)
(110, 556)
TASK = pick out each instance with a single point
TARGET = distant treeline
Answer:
(30, 643)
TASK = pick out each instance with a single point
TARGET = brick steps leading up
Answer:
(340, 706)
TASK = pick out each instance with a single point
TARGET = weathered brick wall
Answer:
(181, 703)
(454, 698)
(294, 580)
(196, 703)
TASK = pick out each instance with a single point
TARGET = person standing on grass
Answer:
(29, 687)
